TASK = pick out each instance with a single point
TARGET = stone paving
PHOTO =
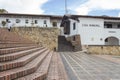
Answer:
(88, 67)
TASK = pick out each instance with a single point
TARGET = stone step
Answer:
(4, 45)
(61, 69)
(20, 61)
(53, 69)
(25, 70)
(41, 72)
(56, 69)
(9, 36)
(13, 56)
(16, 49)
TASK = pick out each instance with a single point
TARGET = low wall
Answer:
(109, 50)
(47, 37)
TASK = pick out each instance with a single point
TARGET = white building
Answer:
(18, 20)
(93, 30)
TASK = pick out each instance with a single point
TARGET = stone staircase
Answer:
(18, 64)
(11, 37)
(21, 60)
(8, 38)
(64, 45)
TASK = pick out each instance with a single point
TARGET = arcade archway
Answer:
(111, 41)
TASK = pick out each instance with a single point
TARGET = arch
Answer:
(111, 41)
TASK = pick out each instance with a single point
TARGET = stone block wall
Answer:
(107, 50)
(76, 42)
(47, 37)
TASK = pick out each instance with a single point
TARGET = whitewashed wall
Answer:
(92, 31)
(91, 35)
(111, 33)
(73, 31)
(40, 21)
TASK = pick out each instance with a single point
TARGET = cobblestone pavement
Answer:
(81, 66)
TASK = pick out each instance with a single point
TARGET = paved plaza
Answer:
(81, 66)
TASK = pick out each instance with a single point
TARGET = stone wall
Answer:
(109, 50)
(47, 37)
(76, 42)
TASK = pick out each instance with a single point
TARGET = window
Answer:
(7, 20)
(45, 22)
(118, 25)
(17, 21)
(32, 22)
(54, 24)
(108, 25)
(74, 26)
(46, 25)
(26, 21)
(36, 21)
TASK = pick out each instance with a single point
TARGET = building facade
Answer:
(18, 20)
(93, 30)
(96, 31)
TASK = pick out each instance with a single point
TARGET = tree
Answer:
(3, 23)
(3, 11)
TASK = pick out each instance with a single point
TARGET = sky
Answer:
(56, 7)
